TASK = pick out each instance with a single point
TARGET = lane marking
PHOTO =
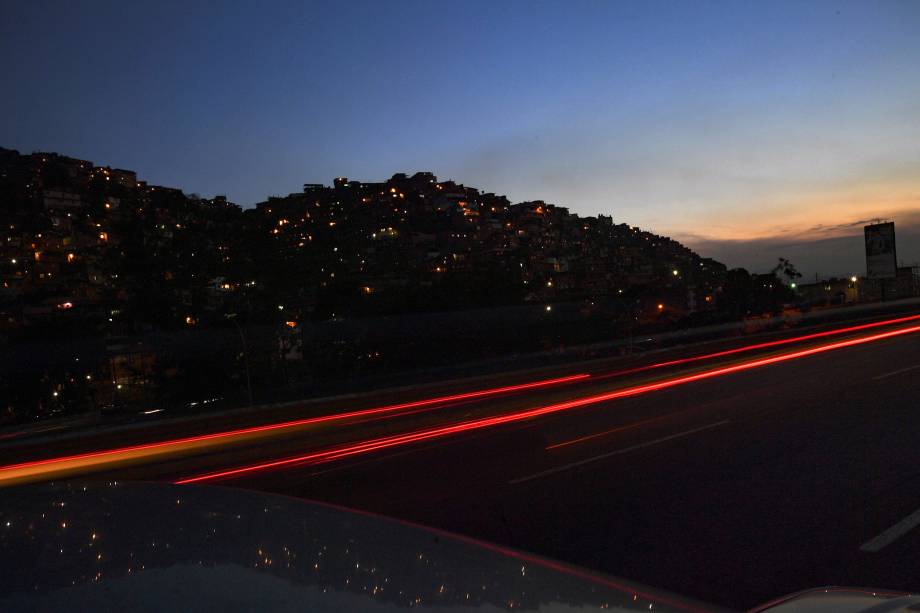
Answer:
(896, 372)
(892, 534)
(582, 439)
(565, 467)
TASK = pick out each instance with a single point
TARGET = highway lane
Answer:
(732, 490)
(427, 418)
(440, 415)
(32, 444)
(357, 423)
(578, 400)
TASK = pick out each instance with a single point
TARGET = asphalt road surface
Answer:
(733, 487)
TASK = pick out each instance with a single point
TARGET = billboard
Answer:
(881, 259)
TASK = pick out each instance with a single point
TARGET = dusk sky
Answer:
(746, 130)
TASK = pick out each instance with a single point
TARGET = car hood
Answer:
(156, 547)
(145, 547)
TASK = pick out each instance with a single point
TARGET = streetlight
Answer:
(853, 279)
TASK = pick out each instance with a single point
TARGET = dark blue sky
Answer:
(713, 122)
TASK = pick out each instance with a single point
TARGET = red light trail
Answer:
(766, 345)
(477, 424)
(96, 457)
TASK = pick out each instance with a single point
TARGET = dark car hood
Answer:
(142, 547)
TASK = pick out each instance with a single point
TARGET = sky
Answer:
(748, 131)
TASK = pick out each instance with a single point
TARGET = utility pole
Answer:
(232, 318)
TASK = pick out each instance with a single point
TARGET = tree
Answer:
(787, 269)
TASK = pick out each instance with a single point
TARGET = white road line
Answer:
(897, 372)
(893, 533)
(565, 467)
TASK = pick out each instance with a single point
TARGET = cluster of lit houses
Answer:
(77, 237)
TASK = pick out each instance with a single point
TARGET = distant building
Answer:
(58, 199)
(125, 178)
(907, 283)
(829, 293)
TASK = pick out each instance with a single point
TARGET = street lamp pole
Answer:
(232, 318)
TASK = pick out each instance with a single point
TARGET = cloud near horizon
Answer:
(824, 250)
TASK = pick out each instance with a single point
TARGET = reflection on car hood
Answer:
(843, 600)
(179, 548)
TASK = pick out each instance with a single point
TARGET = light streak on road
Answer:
(62, 466)
(478, 424)
(766, 345)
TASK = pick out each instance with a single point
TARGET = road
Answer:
(732, 479)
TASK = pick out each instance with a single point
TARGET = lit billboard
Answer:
(881, 259)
